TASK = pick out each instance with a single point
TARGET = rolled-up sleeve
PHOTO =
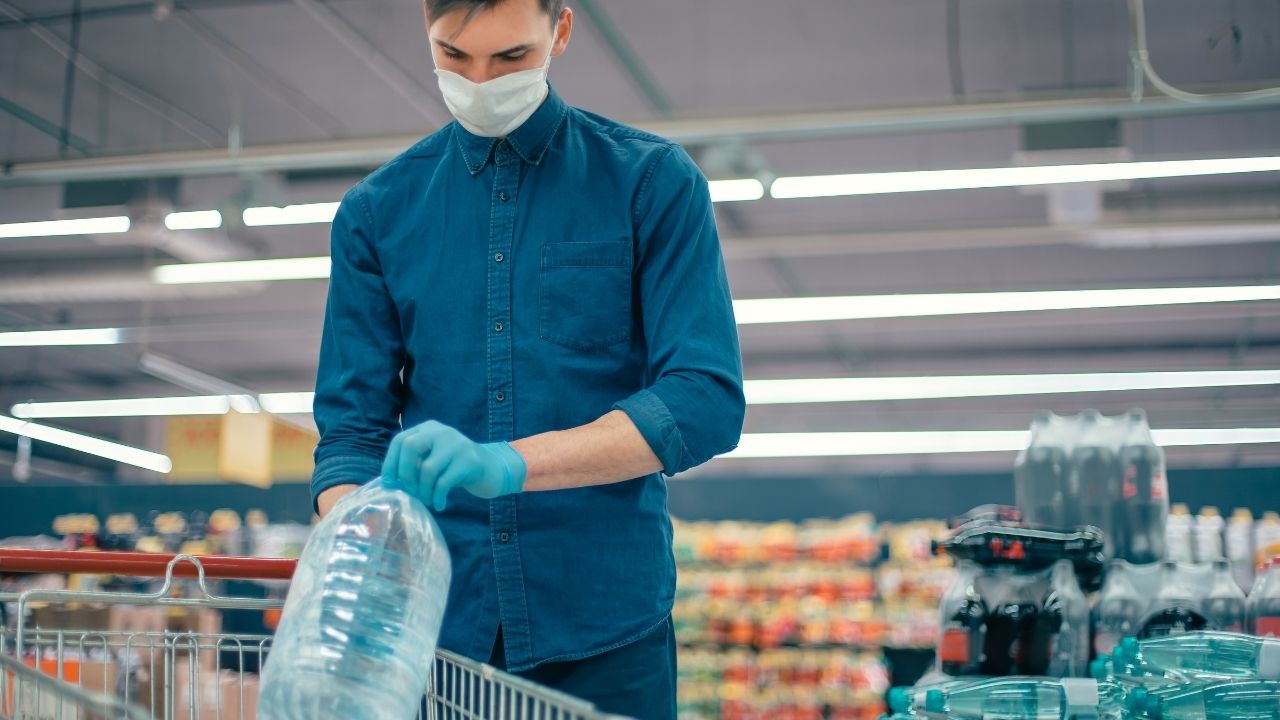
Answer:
(359, 392)
(693, 408)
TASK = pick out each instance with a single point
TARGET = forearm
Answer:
(608, 450)
(330, 497)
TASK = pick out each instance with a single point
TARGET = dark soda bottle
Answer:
(1041, 473)
(963, 626)
(1011, 629)
(1264, 602)
(1143, 505)
(1177, 610)
(1224, 606)
(1094, 464)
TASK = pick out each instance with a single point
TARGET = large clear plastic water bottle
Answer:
(1234, 700)
(1212, 654)
(358, 635)
(1029, 698)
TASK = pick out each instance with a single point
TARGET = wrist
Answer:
(513, 464)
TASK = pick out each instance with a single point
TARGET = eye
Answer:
(514, 58)
(453, 54)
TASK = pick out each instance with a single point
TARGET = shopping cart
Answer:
(139, 667)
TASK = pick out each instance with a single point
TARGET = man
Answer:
(537, 294)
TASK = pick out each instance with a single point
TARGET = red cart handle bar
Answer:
(136, 564)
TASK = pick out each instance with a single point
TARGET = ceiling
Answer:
(209, 74)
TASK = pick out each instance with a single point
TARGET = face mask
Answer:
(499, 106)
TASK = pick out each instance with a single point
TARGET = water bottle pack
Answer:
(1098, 471)
(1197, 676)
(999, 620)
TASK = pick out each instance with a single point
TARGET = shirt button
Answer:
(503, 196)
(503, 538)
(499, 257)
(497, 327)
(500, 396)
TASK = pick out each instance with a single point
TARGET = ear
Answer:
(564, 28)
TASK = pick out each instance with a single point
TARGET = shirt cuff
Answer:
(342, 470)
(653, 419)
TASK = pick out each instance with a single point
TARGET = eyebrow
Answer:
(503, 53)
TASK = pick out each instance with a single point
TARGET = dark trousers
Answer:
(636, 680)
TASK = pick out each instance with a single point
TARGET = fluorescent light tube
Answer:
(863, 444)
(193, 220)
(131, 407)
(291, 403)
(49, 338)
(812, 186)
(866, 307)
(304, 268)
(87, 444)
(736, 190)
(824, 390)
(290, 214)
(80, 226)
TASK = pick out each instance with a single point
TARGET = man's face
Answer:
(511, 36)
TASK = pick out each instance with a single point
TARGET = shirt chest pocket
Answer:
(584, 294)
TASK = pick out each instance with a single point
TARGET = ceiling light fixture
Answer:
(867, 307)
(78, 226)
(290, 214)
(87, 444)
(825, 390)
(50, 338)
(813, 186)
(865, 444)
(305, 268)
(193, 220)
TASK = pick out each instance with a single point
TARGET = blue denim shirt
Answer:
(513, 287)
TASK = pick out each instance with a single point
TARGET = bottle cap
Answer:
(1098, 670)
(1242, 514)
(1209, 511)
(900, 699)
(935, 701)
(1179, 509)
(1136, 701)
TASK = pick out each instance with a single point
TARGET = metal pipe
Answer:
(139, 564)
(367, 153)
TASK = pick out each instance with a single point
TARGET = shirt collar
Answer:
(530, 140)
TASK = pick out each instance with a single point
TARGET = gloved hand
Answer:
(431, 459)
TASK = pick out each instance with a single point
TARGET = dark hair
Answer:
(438, 8)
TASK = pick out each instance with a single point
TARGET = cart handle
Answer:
(137, 564)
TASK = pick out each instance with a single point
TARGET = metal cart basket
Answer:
(136, 663)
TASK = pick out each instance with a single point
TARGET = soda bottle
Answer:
(1094, 465)
(1224, 606)
(964, 618)
(1264, 602)
(1144, 495)
(1239, 546)
(1040, 474)
(1207, 655)
(1266, 539)
(1010, 626)
(1119, 609)
(1178, 534)
(1233, 700)
(1177, 609)
(1028, 698)
(1207, 535)
(1060, 647)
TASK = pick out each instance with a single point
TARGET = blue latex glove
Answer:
(431, 459)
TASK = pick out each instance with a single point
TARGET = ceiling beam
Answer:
(371, 152)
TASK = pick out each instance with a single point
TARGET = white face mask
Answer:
(499, 106)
